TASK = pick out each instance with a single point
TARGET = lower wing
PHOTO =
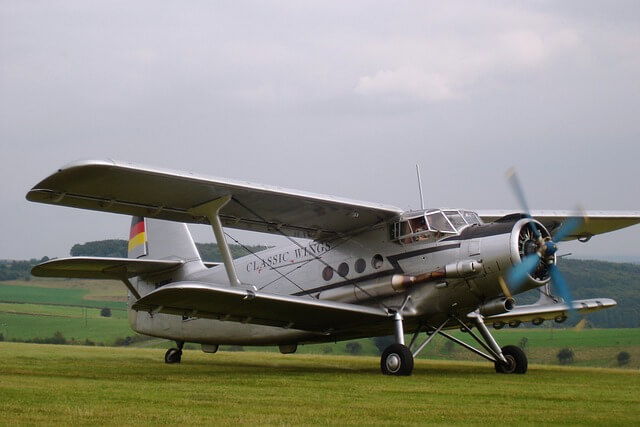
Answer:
(550, 310)
(194, 299)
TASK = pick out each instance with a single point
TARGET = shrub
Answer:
(354, 347)
(105, 312)
(523, 342)
(565, 356)
(623, 358)
(123, 342)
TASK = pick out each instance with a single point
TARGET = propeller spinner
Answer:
(538, 251)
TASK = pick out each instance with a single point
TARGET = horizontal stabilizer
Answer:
(549, 311)
(242, 305)
(103, 268)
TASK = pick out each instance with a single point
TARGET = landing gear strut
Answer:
(174, 355)
(397, 359)
(507, 360)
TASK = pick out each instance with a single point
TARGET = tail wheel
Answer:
(396, 360)
(173, 355)
(516, 361)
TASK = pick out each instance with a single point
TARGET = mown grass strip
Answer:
(81, 385)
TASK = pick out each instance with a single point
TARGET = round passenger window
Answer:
(343, 269)
(327, 273)
(360, 265)
(377, 261)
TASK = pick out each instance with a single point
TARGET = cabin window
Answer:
(360, 265)
(343, 269)
(377, 261)
(327, 273)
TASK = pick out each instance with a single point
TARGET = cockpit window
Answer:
(431, 225)
(471, 217)
(456, 219)
(439, 222)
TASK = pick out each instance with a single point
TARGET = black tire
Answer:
(173, 355)
(396, 360)
(517, 361)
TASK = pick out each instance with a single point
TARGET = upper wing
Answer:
(144, 191)
(596, 222)
(103, 268)
(241, 305)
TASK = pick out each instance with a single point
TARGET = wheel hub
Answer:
(511, 363)
(393, 363)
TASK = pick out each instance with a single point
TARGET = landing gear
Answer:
(174, 355)
(396, 360)
(516, 361)
(507, 360)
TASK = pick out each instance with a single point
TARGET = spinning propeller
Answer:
(538, 251)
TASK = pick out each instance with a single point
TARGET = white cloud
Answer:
(437, 63)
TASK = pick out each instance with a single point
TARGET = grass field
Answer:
(61, 296)
(92, 385)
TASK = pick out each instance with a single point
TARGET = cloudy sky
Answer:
(339, 98)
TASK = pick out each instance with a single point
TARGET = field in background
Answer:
(38, 308)
(97, 385)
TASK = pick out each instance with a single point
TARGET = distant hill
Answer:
(591, 279)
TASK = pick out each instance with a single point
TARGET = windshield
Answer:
(438, 222)
(432, 224)
(456, 219)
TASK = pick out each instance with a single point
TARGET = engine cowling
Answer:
(524, 242)
(499, 246)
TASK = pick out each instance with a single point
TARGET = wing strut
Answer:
(210, 210)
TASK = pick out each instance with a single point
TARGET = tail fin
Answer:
(163, 240)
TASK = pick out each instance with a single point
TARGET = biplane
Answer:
(351, 269)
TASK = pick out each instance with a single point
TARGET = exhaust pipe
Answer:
(497, 306)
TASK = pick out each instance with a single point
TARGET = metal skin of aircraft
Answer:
(352, 269)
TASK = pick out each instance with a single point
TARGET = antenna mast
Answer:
(420, 186)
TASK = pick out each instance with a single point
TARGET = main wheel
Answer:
(173, 355)
(516, 361)
(396, 360)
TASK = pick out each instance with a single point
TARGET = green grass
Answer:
(46, 295)
(22, 326)
(554, 337)
(90, 385)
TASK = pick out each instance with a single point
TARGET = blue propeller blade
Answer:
(520, 272)
(512, 177)
(517, 189)
(561, 285)
(567, 228)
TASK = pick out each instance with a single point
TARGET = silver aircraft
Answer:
(352, 269)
